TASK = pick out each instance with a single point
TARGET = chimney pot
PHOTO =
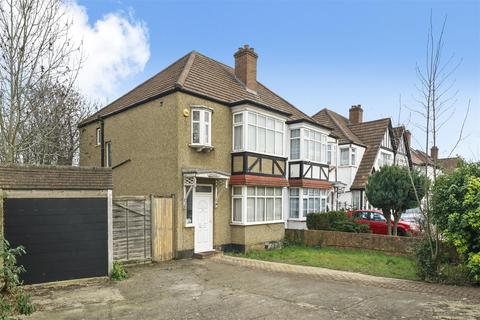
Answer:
(356, 114)
(246, 66)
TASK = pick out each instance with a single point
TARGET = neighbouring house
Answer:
(364, 147)
(240, 160)
(425, 163)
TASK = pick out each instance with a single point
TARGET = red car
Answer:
(378, 224)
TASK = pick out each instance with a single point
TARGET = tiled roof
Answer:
(370, 133)
(197, 74)
(420, 158)
(448, 164)
(340, 126)
(18, 177)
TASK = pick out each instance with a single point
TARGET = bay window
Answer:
(307, 144)
(256, 204)
(201, 126)
(307, 200)
(263, 134)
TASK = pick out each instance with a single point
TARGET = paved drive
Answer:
(234, 288)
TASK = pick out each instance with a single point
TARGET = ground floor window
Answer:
(356, 196)
(307, 200)
(254, 204)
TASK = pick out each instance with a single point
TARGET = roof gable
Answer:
(372, 134)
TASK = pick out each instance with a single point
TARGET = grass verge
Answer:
(362, 261)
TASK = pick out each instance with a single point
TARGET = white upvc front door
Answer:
(203, 218)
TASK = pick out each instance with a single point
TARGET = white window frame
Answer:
(108, 154)
(235, 125)
(352, 156)
(277, 129)
(307, 194)
(98, 136)
(277, 195)
(205, 127)
(348, 156)
(385, 158)
(298, 138)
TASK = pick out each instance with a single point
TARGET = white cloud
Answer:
(115, 47)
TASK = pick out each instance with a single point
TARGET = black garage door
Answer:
(64, 238)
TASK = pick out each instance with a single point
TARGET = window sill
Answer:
(201, 147)
(189, 225)
(297, 219)
(256, 223)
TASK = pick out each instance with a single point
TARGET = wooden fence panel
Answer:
(132, 229)
(162, 229)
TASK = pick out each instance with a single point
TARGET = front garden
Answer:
(447, 252)
(362, 261)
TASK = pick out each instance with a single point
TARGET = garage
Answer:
(62, 216)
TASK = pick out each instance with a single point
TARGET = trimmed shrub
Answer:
(334, 221)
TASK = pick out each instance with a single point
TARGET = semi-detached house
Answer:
(240, 160)
(364, 147)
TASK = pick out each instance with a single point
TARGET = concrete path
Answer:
(234, 288)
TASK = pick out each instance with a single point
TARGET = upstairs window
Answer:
(98, 139)
(344, 154)
(238, 131)
(295, 144)
(385, 159)
(348, 156)
(331, 154)
(108, 154)
(263, 134)
(201, 126)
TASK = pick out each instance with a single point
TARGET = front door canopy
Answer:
(190, 181)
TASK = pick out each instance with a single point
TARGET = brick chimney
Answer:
(408, 135)
(246, 66)
(434, 152)
(356, 114)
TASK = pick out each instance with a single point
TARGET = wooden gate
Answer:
(162, 229)
(142, 228)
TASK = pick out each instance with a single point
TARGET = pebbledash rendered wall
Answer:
(388, 244)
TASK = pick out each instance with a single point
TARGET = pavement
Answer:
(226, 287)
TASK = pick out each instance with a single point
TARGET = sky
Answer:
(315, 54)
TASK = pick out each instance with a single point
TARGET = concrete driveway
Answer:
(221, 288)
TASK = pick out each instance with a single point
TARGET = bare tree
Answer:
(436, 101)
(37, 56)
(57, 137)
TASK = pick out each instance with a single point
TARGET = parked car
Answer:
(378, 224)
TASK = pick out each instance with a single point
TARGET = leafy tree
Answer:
(391, 190)
(456, 211)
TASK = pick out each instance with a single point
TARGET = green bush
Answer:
(334, 221)
(13, 300)
(118, 271)
(456, 212)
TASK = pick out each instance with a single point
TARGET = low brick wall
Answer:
(388, 244)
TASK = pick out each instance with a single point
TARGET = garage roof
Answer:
(28, 177)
